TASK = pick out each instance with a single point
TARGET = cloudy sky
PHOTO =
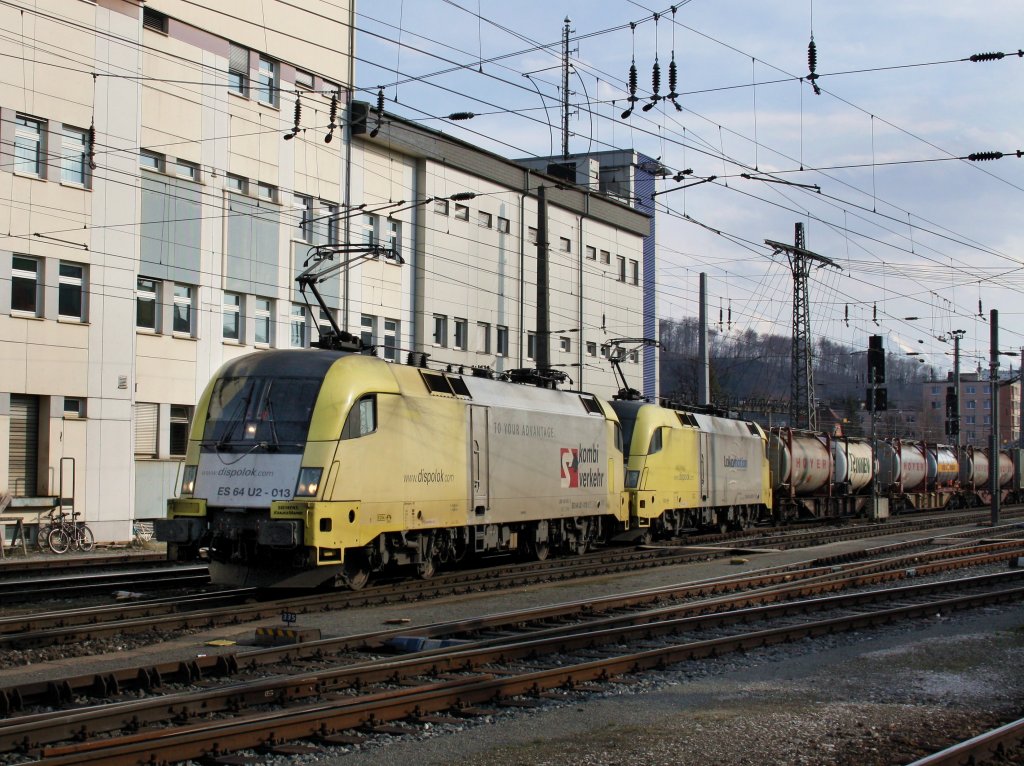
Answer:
(916, 231)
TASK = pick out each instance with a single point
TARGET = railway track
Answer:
(124, 577)
(231, 607)
(511, 659)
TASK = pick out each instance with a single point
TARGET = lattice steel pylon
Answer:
(801, 405)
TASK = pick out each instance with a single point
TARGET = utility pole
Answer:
(955, 415)
(703, 361)
(542, 353)
(801, 260)
(565, 89)
(993, 458)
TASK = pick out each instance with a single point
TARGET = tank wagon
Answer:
(305, 467)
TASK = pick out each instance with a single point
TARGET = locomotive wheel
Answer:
(427, 568)
(540, 550)
(357, 572)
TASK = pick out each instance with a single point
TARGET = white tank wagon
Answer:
(801, 467)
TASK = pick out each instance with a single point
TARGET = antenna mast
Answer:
(565, 90)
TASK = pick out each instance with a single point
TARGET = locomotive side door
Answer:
(704, 457)
(479, 470)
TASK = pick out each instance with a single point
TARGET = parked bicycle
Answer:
(53, 519)
(71, 534)
(142, 533)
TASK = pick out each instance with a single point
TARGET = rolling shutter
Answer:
(24, 445)
(146, 423)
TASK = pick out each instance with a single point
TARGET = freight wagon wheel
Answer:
(540, 550)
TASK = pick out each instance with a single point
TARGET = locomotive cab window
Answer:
(590, 405)
(655, 442)
(362, 419)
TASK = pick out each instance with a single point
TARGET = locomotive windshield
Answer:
(260, 412)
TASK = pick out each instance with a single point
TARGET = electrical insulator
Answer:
(334, 118)
(983, 156)
(380, 101)
(298, 118)
(632, 80)
(812, 56)
(461, 116)
(92, 145)
(380, 113)
(987, 56)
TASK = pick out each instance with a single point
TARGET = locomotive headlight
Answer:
(188, 480)
(632, 478)
(309, 482)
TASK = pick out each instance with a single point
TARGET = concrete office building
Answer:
(157, 213)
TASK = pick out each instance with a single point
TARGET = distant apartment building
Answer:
(159, 204)
(975, 410)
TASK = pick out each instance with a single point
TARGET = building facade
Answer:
(975, 410)
(162, 192)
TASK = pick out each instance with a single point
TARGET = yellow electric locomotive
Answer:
(688, 470)
(309, 467)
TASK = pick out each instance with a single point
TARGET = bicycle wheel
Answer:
(42, 537)
(85, 538)
(59, 540)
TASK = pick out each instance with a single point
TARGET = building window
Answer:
(461, 212)
(368, 229)
(988, 404)
(261, 331)
(531, 235)
(183, 309)
(971, 419)
(441, 206)
(967, 389)
(329, 222)
(591, 253)
(154, 20)
(484, 219)
(238, 70)
(179, 423)
(25, 285)
(266, 79)
(298, 325)
(74, 149)
(151, 160)
(237, 184)
(232, 316)
(634, 357)
(189, 170)
(604, 350)
(504, 226)
(565, 343)
(622, 268)
(324, 326)
(28, 145)
(564, 244)
(971, 405)
(634, 271)
(483, 337)
(303, 79)
(329, 88)
(146, 292)
(74, 407)
(591, 348)
(606, 257)
(501, 341)
(303, 208)
(147, 420)
(531, 346)
(461, 328)
(368, 329)
(440, 330)
(70, 285)
(988, 420)
(394, 236)
(391, 330)
(266, 191)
